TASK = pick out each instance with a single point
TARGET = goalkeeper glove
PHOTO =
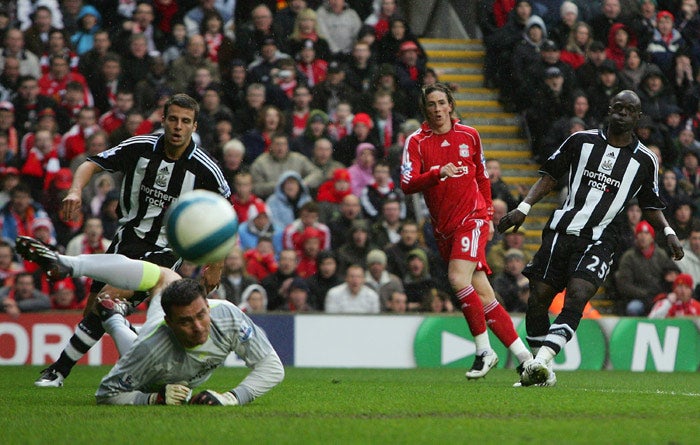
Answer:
(171, 394)
(210, 397)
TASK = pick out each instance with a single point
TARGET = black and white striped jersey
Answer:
(602, 179)
(152, 182)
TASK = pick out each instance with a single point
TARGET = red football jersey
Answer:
(452, 200)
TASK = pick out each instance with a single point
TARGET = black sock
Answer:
(88, 332)
(537, 323)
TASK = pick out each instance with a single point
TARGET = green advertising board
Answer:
(635, 344)
(446, 341)
(655, 345)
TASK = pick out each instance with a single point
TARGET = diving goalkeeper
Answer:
(184, 339)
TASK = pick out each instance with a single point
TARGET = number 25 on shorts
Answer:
(598, 267)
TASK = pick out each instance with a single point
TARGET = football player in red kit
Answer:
(445, 161)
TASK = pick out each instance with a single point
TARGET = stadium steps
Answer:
(460, 61)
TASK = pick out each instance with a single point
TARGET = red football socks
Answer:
(473, 310)
(500, 323)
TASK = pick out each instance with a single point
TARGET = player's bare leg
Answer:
(460, 273)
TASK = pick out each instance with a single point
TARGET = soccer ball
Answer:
(201, 227)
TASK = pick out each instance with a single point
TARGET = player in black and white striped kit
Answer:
(606, 170)
(157, 170)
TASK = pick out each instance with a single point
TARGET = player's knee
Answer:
(166, 277)
(576, 300)
(458, 280)
(537, 302)
(483, 288)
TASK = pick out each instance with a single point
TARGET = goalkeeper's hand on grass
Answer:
(209, 397)
(171, 394)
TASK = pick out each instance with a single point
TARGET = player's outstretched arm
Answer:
(73, 200)
(264, 376)
(170, 394)
(209, 397)
(516, 217)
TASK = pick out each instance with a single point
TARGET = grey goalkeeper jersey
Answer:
(157, 358)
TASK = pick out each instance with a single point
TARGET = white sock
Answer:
(118, 328)
(545, 355)
(483, 345)
(114, 269)
(520, 351)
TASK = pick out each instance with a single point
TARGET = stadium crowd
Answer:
(306, 105)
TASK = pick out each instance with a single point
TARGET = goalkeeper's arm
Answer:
(170, 394)
(264, 376)
(124, 398)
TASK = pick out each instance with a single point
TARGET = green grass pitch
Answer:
(339, 406)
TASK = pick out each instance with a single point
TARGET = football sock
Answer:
(537, 323)
(520, 351)
(498, 320)
(500, 323)
(559, 333)
(473, 312)
(88, 332)
(120, 330)
(116, 270)
(545, 354)
(569, 317)
(483, 344)
(535, 344)
(556, 339)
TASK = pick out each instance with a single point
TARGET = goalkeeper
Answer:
(184, 339)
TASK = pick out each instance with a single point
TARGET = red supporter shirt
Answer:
(28, 142)
(73, 61)
(307, 266)
(259, 265)
(299, 123)
(456, 199)
(242, 208)
(55, 88)
(111, 120)
(690, 308)
(40, 165)
(293, 235)
(73, 142)
(315, 71)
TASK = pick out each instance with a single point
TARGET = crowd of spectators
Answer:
(305, 104)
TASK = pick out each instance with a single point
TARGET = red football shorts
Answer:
(467, 243)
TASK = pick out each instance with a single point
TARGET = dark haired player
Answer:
(445, 161)
(606, 170)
